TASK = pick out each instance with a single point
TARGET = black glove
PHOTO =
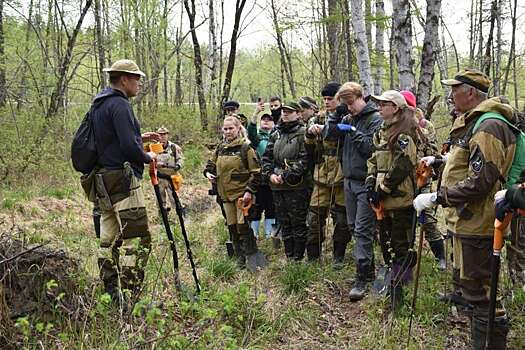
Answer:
(373, 196)
(502, 208)
(341, 110)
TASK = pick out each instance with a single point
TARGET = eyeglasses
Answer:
(382, 104)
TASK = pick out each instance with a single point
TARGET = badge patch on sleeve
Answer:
(477, 162)
(403, 143)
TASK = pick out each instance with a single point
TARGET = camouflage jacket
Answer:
(234, 177)
(393, 172)
(285, 155)
(326, 154)
(476, 163)
(171, 160)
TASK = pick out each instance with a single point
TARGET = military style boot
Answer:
(438, 249)
(478, 328)
(289, 248)
(359, 289)
(338, 255)
(314, 252)
(299, 248)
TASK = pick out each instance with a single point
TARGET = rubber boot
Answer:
(255, 227)
(338, 255)
(438, 248)
(276, 236)
(268, 227)
(478, 328)
(96, 224)
(299, 248)
(313, 251)
(289, 248)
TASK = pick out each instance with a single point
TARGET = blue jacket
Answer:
(358, 145)
(117, 132)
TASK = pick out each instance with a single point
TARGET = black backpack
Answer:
(84, 153)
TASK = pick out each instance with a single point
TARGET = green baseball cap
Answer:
(471, 77)
(125, 66)
(292, 106)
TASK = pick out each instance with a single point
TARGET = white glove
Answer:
(425, 201)
(444, 157)
(429, 160)
(500, 195)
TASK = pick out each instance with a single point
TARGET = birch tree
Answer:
(361, 44)
(379, 72)
(428, 54)
(402, 32)
(332, 29)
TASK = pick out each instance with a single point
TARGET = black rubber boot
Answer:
(498, 341)
(299, 248)
(438, 248)
(313, 251)
(289, 248)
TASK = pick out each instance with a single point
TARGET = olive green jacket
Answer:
(326, 153)
(392, 172)
(476, 164)
(234, 178)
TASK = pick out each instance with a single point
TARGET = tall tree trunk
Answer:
(361, 44)
(428, 55)
(178, 78)
(165, 39)
(332, 29)
(100, 44)
(348, 42)
(379, 47)
(496, 76)
(197, 63)
(472, 32)
(391, 56)
(212, 53)
(403, 43)
(368, 23)
(512, 54)
(3, 87)
(239, 7)
(487, 59)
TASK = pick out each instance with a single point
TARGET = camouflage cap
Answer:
(292, 106)
(391, 96)
(471, 77)
(163, 130)
(125, 66)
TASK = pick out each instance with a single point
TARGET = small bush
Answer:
(295, 278)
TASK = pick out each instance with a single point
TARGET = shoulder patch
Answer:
(477, 161)
(403, 141)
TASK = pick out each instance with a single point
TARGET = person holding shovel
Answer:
(235, 169)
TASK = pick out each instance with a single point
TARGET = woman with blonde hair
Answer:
(235, 169)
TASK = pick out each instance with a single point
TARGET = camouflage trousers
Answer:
(125, 243)
(165, 193)
(396, 235)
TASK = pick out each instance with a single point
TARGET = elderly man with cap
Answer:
(480, 157)
(285, 165)
(264, 200)
(125, 239)
(328, 194)
(169, 163)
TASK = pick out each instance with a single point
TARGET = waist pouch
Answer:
(112, 186)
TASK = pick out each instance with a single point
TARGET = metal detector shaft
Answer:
(164, 215)
(180, 214)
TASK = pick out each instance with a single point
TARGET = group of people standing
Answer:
(368, 162)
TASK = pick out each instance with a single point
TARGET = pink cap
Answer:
(409, 97)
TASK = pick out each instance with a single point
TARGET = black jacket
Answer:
(358, 145)
(117, 132)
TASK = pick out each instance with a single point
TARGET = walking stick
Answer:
(164, 214)
(180, 214)
(423, 172)
(497, 245)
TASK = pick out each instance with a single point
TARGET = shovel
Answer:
(255, 260)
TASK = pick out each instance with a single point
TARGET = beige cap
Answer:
(163, 130)
(391, 96)
(125, 66)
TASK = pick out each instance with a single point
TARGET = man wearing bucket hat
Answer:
(480, 157)
(169, 163)
(125, 239)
